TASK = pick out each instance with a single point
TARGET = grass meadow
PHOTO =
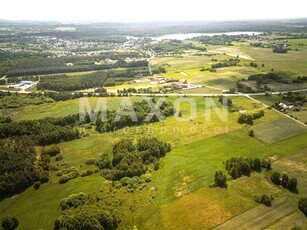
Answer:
(279, 129)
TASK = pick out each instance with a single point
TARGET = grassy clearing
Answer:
(199, 160)
(279, 129)
(295, 166)
(208, 207)
(232, 51)
(37, 209)
(293, 63)
(59, 109)
(261, 216)
(302, 115)
(224, 78)
(288, 222)
(268, 100)
(279, 87)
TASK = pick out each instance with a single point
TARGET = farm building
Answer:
(177, 85)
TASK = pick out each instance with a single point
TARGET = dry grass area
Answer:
(233, 52)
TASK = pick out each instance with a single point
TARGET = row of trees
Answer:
(249, 119)
(294, 97)
(300, 79)
(265, 78)
(237, 167)
(230, 62)
(284, 180)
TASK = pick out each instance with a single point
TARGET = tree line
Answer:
(230, 62)
(71, 69)
(249, 119)
(44, 131)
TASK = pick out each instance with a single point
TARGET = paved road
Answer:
(187, 94)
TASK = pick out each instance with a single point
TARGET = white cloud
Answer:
(153, 10)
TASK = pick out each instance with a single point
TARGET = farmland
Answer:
(107, 171)
(261, 217)
(279, 129)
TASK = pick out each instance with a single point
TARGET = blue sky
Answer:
(153, 10)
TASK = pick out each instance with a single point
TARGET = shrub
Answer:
(292, 185)
(284, 180)
(63, 179)
(251, 133)
(90, 162)
(275, 177)
(86, 173)
(59, 157)
(264, 199)
(52, 150)
(9, 223)
(37, 185)
(44, 178)
(302, 205)
(220, 179)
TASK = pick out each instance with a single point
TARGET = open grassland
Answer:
(200, 146)
(199, 160)
(184, 198)
(37, 209)
(59, 109)
(280, 87)
(211, 118)
(177, 133)
(298, 44)
(233, 52)
(224, 78)
(261, 216)
(288, 222)
(208, 207)
(268, 100)
(302, 115)
(279, 129)
(296, 166)
(293, 63)
(185, 60)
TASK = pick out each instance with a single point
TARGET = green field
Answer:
(224, 78)
(291, 64)
(302, 115)
(268, 100)
(277, 130)
(296, 166)
(261, 216)
(288, 222)
(37, 209)
(179, 195)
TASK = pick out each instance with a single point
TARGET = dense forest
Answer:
(42, 132)
(75, 68)
(131, 159)
(17, 168)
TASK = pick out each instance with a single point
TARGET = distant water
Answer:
(193, 35)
